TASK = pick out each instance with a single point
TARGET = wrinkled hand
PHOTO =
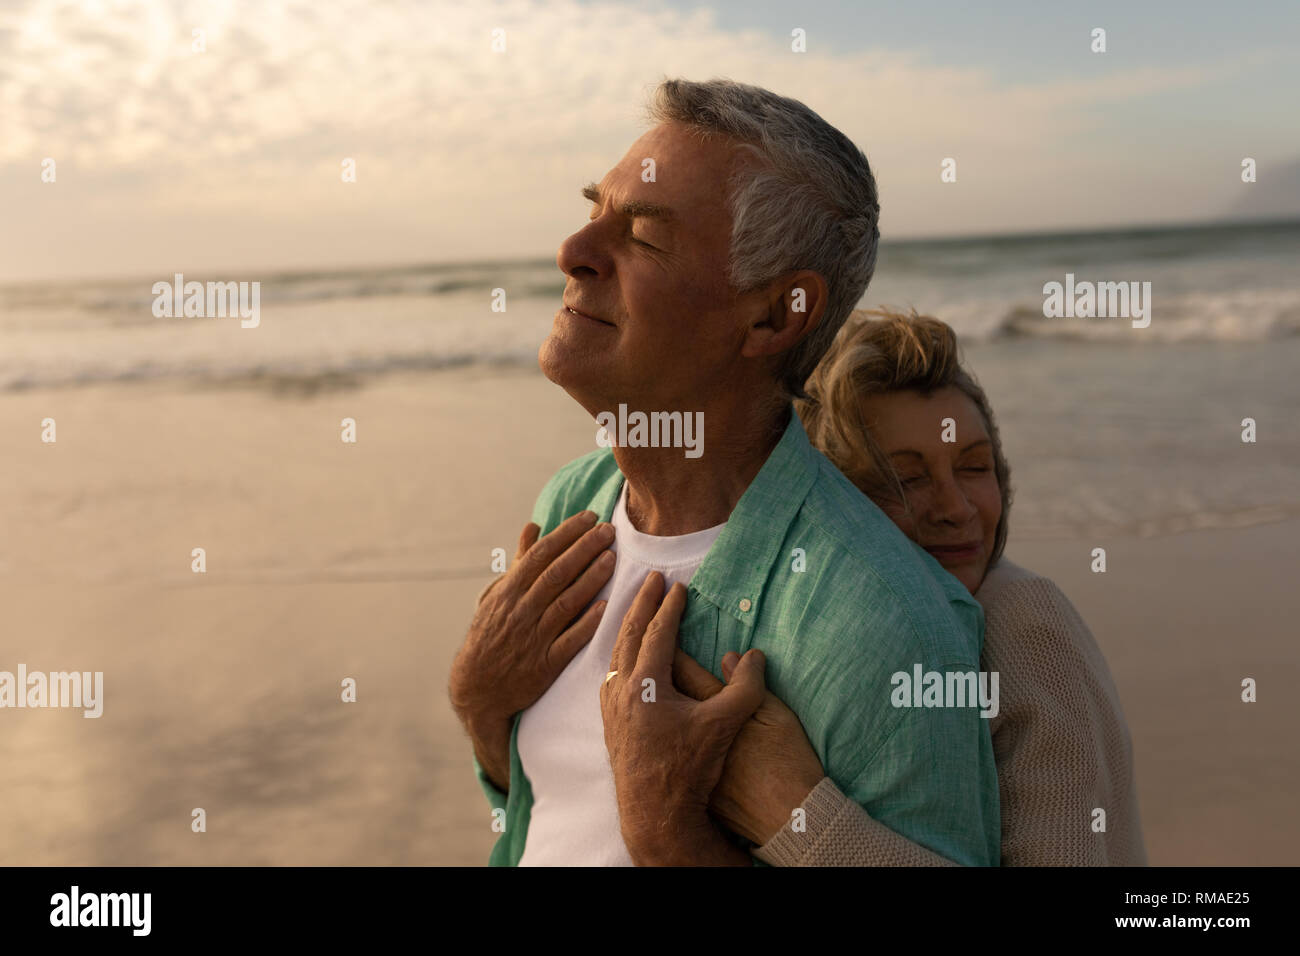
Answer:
(523, 633)
(667, 749)
(771, 766)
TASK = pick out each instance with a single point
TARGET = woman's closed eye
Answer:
(916, 480)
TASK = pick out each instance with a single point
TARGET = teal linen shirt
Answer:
(812, 573)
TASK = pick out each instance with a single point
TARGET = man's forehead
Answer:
(669, 172)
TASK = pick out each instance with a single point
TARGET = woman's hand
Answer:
(771, 766)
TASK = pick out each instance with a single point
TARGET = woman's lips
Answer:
(954, 554)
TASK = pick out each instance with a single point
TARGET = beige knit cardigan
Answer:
(1060, 743)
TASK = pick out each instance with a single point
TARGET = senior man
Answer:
(722, 255)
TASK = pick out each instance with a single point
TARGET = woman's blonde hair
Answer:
(877, 352)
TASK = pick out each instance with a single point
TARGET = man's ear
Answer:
(795, 306)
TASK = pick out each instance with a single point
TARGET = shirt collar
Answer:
(738, 565)
(737, 568)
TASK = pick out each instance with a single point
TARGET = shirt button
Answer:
(744, 604)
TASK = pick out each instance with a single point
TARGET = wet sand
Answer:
(327, 560)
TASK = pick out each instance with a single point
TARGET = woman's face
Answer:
(951, 487)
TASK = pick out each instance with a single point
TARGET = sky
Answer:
(170, 159)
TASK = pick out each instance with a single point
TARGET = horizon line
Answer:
(1292, 219)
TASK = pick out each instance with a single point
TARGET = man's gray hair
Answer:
(810, 203)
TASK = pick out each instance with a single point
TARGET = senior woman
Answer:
(876, 408)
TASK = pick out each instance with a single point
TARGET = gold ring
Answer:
(610, 676)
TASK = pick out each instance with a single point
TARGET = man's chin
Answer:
(555, 360)
(577, 371)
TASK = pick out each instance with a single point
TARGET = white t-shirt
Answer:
(574, 820)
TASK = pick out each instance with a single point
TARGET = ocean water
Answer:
(1110, 429)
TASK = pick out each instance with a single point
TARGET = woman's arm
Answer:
(772, 773)
(836, 831)
(1061, 745)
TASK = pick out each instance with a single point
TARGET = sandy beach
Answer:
(328, 560)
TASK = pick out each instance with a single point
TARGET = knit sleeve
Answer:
(836, 831)
(1060, 741)
(1064, 755)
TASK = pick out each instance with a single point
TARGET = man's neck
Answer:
(669, 494)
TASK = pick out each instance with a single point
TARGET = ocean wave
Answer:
(1226, 319)
(1207, 518)
(520, 278)
(280, 376)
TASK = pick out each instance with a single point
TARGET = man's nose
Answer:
(582, 253)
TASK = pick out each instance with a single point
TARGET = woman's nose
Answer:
(950, 502)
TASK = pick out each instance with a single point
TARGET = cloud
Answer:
(461, 149)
